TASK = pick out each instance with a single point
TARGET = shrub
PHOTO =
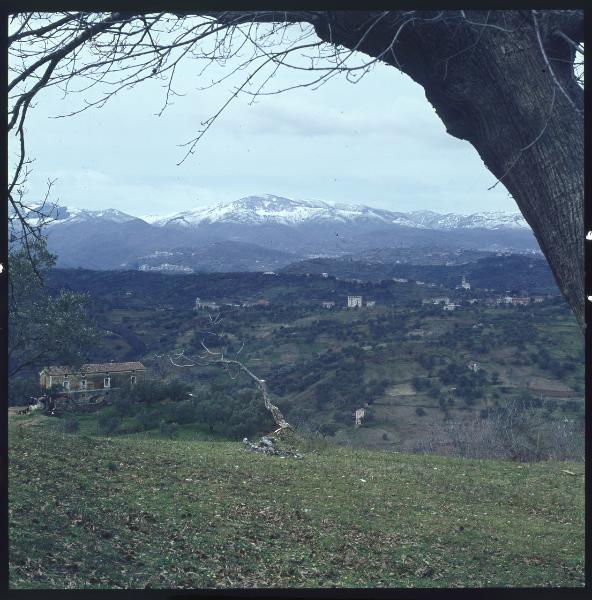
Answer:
(71, 425)
(419, 411)
(328, 428)
(184, 412)
(148, 419)
(170, 430)
(122, 404)
(107, 423)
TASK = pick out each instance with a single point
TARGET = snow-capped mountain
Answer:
(267, 232)
(268, 209)
(67, 214)
(60, 215)
(484, 220)
(258, 210)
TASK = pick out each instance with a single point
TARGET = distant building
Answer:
(370, 303)
(473, 366)
(359, 416)
(354, 301)
(99, 377)
(538, 298)
(400, 280)
(450, 307)
(441, 300)
(420, 282)
(263, 302)
(209, 305)
(464, 284)
(324, 275)
(328, 304)
(269, 273)
(516, 300)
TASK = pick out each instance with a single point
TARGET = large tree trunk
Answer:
(491, 84)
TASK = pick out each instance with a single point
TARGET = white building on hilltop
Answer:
(354, 301)
(464, 284)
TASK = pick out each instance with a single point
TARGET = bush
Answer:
(184, 412)
(122, 404)
(107, 423)
(148, 419)
(419, 411)
(328, 428)
(170, 430)
(71, 425)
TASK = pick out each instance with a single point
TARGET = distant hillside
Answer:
(497, 273)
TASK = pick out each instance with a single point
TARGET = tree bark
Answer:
(520, 107)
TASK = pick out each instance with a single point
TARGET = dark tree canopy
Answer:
(502, 80)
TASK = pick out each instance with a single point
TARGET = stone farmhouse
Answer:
(91, 378)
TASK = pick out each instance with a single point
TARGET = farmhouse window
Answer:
(133, 379)
(107, 382)
(83, 384)
(66, 383)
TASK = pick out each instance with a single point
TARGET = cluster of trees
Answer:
(224, 408)
(43, 328)
(545, 361)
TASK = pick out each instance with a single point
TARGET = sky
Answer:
(377, 142)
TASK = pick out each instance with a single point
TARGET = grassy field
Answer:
(144, 512)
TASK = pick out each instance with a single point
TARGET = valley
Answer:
(406, 361)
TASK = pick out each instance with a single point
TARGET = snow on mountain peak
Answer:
(278, 210)
(70, 214)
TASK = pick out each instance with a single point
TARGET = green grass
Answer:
(136, 512)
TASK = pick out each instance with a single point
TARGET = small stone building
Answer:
(95, 378)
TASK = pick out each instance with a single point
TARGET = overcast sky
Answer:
(377, 142)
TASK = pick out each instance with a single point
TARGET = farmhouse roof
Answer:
(97, 368)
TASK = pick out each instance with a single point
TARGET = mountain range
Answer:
(268, 232)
